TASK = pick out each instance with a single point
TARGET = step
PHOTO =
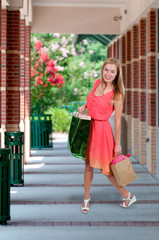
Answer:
(78, 179)
(78, 233)
(76, 193)
(42, 167)
(72, 213)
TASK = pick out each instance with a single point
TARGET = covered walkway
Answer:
(53, 183)
(133, 27)
(48, 207)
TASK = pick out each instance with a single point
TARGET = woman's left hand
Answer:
(117, 150)
(82, 108)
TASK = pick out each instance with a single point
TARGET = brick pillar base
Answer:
(152, 150)
(21, 125)
(142, 142)
(27, 139)
(3, 130)
(135, 136)
(12, 127)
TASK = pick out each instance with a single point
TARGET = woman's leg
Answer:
(122, 190)
(88, 177)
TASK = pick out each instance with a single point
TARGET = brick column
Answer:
(117, 53)
(142, 91)
(22, 72)
(121, 42)
(123, 64)
(135, 89)
(128, 87)
(13, 69)
(111, 50)
(3, 74)
(108, 52)
(27, 92)
(151, 58)
(0, 72)
(115, 49)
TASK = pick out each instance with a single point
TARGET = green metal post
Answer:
(4, 186)
(41, 128)
(15, 142)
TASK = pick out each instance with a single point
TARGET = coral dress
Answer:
(101, 143)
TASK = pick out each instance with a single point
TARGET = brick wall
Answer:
(0, 71)
(117, 49)
(138, 59)
(13, 70)
(22, 72)
(151, 78)
(113, 49)
(128, 86)
(3, 72)
(27, 71)
(135, 89)
(142, 92)
(27, 92)
(123, 64)
(15, 76)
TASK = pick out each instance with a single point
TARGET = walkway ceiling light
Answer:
(116, 18)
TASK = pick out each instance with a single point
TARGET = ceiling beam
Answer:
(80, 3)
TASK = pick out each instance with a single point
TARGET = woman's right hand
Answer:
(82, 108)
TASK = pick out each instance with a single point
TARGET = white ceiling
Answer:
(80, 3)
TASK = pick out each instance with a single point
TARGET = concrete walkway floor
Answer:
(49, 205)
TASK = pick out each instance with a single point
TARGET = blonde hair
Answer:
(118, 85)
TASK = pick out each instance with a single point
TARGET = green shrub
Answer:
(61, 119)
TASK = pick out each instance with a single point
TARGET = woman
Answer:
(106, 96)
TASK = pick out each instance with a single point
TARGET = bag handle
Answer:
(127, 155)
(76, 114)
(83, 116)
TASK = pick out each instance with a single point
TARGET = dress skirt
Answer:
(100, 147)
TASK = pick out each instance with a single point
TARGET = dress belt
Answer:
(100, 120)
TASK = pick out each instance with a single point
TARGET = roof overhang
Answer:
(105, 39)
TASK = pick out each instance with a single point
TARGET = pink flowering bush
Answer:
(38, 45)
(44, 77)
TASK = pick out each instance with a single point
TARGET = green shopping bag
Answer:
(78, 136)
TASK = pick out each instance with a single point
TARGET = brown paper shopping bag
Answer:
(123, 171)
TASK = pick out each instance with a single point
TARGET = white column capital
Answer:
(5, 4)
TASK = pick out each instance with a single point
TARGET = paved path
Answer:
(48, 206)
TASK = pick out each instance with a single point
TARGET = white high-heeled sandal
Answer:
(131, 201)
(85, 209)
